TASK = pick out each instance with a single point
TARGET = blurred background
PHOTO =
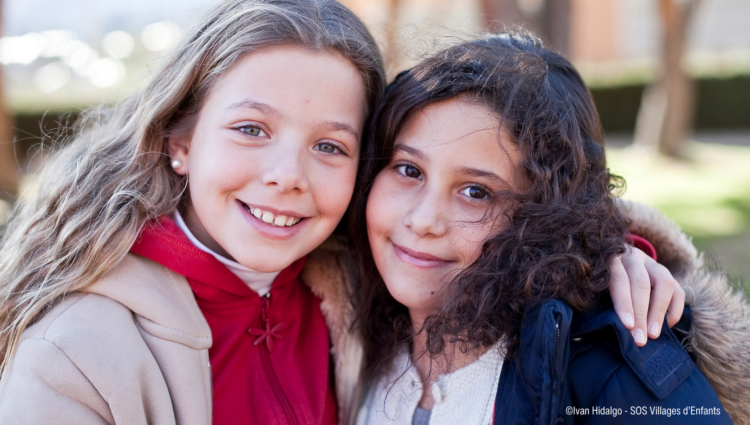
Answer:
(671, 80)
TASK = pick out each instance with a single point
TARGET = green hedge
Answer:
(721, 104)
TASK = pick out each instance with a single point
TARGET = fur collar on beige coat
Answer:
(719, 338)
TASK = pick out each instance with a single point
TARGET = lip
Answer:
(268, 231)
(418, 259)
(274, 210)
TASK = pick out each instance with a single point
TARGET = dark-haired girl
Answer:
(490, 224)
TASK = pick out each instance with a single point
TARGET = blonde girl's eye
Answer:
(409, 170)
(253, 131)
(475, 192)
(327, 147)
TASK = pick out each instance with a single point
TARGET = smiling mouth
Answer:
(276, 220)
(419, 258)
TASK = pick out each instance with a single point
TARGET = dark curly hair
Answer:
(564, 226)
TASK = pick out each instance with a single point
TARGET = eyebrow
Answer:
(340, 126)
(481, 173)
(270, 110)
(411, 151)
(259, 106)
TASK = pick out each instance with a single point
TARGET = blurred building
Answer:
(75, 53)
(606, 38)
(611, 37)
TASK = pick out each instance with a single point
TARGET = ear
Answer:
(178, 148)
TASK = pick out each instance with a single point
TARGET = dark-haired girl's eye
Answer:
(409, 170)
(475, 192)
(254, 131)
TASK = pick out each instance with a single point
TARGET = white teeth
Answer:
(273, 219)
(267, 217)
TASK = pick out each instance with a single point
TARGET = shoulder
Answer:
(624, 397)
(606, 369)
(80, 319)
(718, 335)
(600, 342)
(98, 334)
(101, 328)
(137, 294)
(44, 385)
(70, 360)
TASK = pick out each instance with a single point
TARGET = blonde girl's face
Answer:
(426, 213)
(272, 161)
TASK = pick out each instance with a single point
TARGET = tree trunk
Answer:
(8, 165)
(547, 19)
(666, 113)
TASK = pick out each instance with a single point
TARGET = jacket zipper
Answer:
(557, 348)
(270, 373)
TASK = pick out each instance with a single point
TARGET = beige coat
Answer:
(133, 348)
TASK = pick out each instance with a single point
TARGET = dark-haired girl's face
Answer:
(431, 208)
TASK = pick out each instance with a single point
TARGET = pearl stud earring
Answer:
(176, 164)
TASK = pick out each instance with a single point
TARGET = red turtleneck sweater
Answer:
(270, 355)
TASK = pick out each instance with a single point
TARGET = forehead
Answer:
(295, 78)
(457, 134)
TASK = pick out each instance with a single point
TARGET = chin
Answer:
(416, 300)
(266, 263)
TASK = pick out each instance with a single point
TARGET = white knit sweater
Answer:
(465, 396)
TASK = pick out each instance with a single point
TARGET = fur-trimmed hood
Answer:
(719, 338)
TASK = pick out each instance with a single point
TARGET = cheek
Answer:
(219, 172)
(333, 189)
(216, 162)
(469, 237)
(382, 210)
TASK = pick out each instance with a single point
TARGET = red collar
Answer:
(162, 241)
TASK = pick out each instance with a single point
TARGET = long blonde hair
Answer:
(95, 194)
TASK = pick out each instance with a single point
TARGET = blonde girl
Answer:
(156, 275)
(136, 285)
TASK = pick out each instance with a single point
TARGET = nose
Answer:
(428, 215)
(286, 170)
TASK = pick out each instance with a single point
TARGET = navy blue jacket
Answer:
(584, 368)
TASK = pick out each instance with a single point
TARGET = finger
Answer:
(640, 288)
(619, 289)
(677, 306)
(661, 296)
